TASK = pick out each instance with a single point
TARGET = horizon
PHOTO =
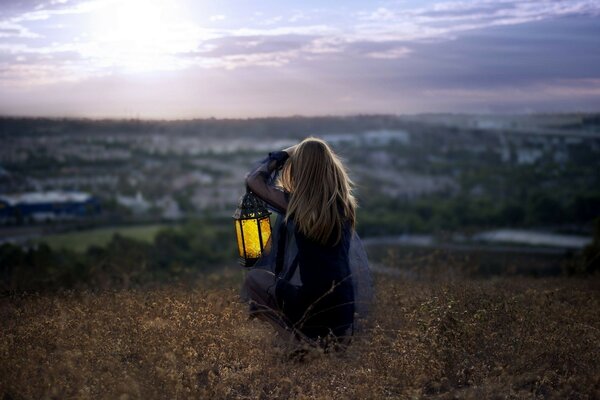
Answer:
(304, 116)
(180, 60)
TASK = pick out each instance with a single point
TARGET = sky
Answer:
(240, 58)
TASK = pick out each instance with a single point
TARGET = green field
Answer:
(79, 241)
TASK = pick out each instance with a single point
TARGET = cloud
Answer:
(561, 48)
(445, 20)
(17, 18)
(9, 29)
(482, 54)
(391, 54)
(243, 45)
(184, 43)
(12, 8)
(26, 68)
(577, 95)
(45, 10)
(267, 51)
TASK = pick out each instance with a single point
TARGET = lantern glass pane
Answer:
(265, 230)
(240, 241)
(251, 239)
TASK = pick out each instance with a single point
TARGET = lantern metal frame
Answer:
(250, 207)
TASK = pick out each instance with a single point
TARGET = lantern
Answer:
(252, 228)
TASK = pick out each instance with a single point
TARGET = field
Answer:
(503, 338)
(81, 240)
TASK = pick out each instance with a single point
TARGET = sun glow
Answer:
(142, 35)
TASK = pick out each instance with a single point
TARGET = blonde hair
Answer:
(321, 198)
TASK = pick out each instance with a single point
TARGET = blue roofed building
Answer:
(47, 206)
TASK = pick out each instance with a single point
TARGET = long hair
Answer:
(321, 198)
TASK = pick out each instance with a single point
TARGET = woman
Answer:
(315, 198)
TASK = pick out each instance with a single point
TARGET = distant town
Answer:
(413, 174)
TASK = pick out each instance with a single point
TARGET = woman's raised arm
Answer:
(258, 180)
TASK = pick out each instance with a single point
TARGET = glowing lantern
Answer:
(252, 228)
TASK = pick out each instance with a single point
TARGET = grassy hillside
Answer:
(512, 337)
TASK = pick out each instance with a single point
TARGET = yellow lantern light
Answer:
(252, 228)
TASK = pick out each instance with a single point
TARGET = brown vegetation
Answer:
(504, 338)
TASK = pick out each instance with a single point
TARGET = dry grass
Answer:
(508, 338)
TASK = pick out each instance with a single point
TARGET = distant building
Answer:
(137, 204)
(170, 208)
(44, 206)
(370, 138)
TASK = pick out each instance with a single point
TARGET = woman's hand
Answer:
(290, 150)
